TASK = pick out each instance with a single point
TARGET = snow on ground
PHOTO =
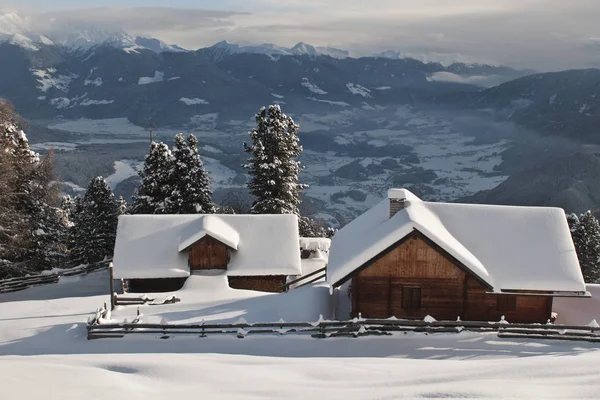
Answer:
(62, 146)
(123, 169)
(46, 79)
(578, 311)
(42, 335)
(358, 90)
(145, 80)
(330, 102)
(108, 126)
(89, 102)
(193, 101)
(312, 87)
(219, 173)
(96, 82)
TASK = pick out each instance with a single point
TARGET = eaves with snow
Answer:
(508, 248)
(154, 246)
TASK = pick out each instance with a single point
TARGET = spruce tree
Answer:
(273, 164)
(191, 192)
(30, 238)
(585, 231)
(95, 224)
(151, 197)
(47, 223)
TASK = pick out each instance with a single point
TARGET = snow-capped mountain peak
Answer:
(301, 49)
(304, 49)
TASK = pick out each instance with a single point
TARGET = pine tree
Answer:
(151, 197)
(47, 223)
(191, 186)
(273, 164)
(30, 238)
(95, 224)
(585, 231)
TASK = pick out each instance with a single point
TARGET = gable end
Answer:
(415, 234)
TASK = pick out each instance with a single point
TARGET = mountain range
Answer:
(354, 112)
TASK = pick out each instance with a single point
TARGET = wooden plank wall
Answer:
(447, 290)
(271, 283)
(208, 253)
(483, 307)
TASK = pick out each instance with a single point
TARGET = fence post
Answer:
(112, 286)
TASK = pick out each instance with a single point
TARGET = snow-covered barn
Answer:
(409, 258)
(158, 252)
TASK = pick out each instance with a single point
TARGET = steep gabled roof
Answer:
(216, 228)
(508, 248)
(148, 246)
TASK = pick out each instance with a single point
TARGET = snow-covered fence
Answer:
(352, 328)
(24, 282)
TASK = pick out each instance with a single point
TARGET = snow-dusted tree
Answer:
(156, 186)
(273, 164)
(31, 224)
(123, 206)
(191, 192)
(94, 224)
(47, 223)
(585, 231)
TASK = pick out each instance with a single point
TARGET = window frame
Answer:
(415, 302)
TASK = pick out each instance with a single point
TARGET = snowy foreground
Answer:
(44, 353)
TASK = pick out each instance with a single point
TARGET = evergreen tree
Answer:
(47, 223)
(95, 224)
(191, 187)
(30, 238)
(123, 206)
(273, 164)
(585, 231)
(151, 197)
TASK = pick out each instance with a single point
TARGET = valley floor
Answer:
(44, 353)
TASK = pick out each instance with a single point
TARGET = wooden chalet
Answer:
(156, 253)
(408, 258)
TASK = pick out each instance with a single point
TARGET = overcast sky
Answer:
(540, 34)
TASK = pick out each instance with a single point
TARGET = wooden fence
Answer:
(24, 282)
(326, 329)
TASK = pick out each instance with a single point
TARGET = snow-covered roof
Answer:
(315, 243)
(216, 228)
(148, 245)
(508, 248)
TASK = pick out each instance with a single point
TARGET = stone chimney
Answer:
(397, 198)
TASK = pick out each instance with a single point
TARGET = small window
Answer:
(411, 298)
(506, 302)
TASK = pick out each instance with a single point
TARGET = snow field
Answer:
(46, 324)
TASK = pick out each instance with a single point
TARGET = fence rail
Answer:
(352, 328)
(24, 282)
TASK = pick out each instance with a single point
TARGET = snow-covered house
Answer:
(409, 258)
(158, 252)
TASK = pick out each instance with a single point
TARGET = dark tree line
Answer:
(585, 231)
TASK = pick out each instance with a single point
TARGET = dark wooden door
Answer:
(373, 296)
(396, 299)
(208, 253)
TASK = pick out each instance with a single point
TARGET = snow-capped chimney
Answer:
(398, 201)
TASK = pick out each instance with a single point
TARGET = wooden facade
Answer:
(271, 283)
(208, 253)
(416, 278)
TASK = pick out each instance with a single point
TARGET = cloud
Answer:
(539, 34)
